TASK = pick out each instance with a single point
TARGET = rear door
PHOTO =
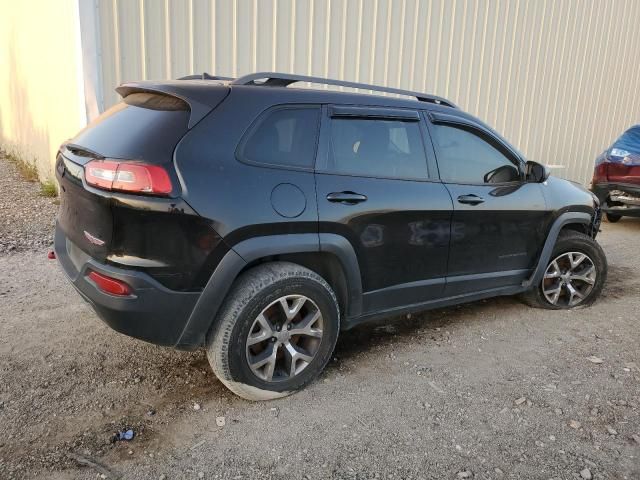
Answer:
(375, 187)
(499, 220)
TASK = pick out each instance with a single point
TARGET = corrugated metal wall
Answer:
(558, 78)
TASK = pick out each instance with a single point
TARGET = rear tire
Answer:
(275, 332)
(567, 283)
(612, 217)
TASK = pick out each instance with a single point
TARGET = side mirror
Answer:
(502, 174)
(536, 173)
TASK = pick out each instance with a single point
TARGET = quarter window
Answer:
(377, 148)
(286, 136)
(464, 157)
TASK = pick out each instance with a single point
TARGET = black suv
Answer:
(258, 220)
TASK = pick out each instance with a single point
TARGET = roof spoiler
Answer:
(200, 98)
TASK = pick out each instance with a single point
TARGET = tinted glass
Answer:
(285, 137)
(142, 127)
(630, 140)
(464, 157)
(377, 148)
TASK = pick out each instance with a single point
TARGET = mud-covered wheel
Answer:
(575, 275)
(275, 332)
(612, 217)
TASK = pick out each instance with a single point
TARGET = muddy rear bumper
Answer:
(152, 312)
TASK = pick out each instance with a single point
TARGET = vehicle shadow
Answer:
(622, 281)
(406, 327)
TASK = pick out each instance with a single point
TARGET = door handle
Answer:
(346, 198)
(470, 199)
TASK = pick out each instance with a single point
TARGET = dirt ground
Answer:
(492, 389)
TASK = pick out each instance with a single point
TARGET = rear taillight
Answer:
(128, 177)
(110, 285)
(600, 173)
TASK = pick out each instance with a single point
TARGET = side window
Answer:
(285, 136)
(464, 157)
(377, 148)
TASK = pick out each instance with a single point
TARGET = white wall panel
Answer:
(558, 78)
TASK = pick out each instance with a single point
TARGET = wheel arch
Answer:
(331, 256)
(581, 227)
(576, 221)
(325, 264)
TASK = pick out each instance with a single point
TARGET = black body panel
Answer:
(83, 216)
(163, 237)
(502, 235)
(400, 235)
(236, 196)
(154, 313)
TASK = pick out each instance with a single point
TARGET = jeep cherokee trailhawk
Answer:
(259, 220)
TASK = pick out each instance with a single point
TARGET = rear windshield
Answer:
(145, 126)
(630, 140)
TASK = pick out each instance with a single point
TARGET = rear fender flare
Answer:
(250, 250)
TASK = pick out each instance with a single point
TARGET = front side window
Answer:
(286, 136)
(464, 157)
(377, 148)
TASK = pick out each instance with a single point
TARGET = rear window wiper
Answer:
(82, 151)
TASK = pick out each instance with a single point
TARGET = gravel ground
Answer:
(26, 218)
(492, 389)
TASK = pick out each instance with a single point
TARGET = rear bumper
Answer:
(619, 199)
(152, 313)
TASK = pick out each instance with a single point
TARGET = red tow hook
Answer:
(51, 255)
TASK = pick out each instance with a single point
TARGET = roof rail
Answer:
(273, 79)
(204, 76)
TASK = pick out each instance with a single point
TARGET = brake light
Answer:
(110, 285)
(600, 173)
(128, 177)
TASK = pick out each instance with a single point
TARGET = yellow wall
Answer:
(41, 99)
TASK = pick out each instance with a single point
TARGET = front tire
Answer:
(275, 332)
(575, 275)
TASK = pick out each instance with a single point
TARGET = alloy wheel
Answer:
(284, 338)
(569, 279)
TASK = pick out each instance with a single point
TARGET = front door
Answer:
(499, 220)
(374, 188)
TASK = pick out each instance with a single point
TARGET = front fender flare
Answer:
(564, 219)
